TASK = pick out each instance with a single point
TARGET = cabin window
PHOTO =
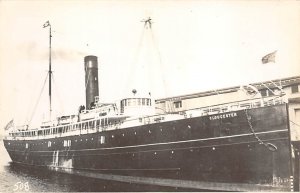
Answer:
(178, 104)
(133, 102)
(67, 143)
(295, 88)
(102, 139)
(49, 143)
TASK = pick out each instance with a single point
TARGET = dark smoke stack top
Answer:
(91, 79)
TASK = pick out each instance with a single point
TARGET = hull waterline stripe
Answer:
(155, 144)
(187, 141)
(155, 150)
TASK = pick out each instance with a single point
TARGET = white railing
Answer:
(103, 124)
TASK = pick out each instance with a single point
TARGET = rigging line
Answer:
(268, 88)
(278, 86)
(159, 57)
(31, 103)
(135, 60)
(58, 96)
(295, 123)
(274, 83)
(34, 109)
(170, 105)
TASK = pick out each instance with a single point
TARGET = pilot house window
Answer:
(178, 104)
(295, 88)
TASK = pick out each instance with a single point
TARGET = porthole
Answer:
(149, 131)
(86, 139)
(135, 133)
(123, 134)
(189, 126)
(112, 136)
(92, 138)
(172, 152)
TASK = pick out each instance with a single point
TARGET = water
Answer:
(17, 178)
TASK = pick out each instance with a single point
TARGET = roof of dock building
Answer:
(271, 84)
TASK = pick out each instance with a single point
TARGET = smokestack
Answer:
(91, 79)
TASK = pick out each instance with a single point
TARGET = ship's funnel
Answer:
(91, 80)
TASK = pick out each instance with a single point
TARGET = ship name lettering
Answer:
(223, 116)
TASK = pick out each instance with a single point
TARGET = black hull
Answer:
(216, 148)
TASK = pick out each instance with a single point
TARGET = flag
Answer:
(9, 125)
(46, 24)
(269, 58)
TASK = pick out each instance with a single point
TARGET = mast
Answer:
(47, 24)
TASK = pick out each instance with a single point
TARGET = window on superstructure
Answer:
(178, 104)
(295, 88)
(49, 143)
(133, 102)
(263, 93)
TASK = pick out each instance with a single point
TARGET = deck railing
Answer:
(103, 124)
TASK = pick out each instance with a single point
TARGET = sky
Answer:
(193, 46)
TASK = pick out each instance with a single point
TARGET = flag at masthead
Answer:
(269, 58)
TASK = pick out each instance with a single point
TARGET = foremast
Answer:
(47, 24)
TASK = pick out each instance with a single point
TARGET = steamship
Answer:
(239, 146)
